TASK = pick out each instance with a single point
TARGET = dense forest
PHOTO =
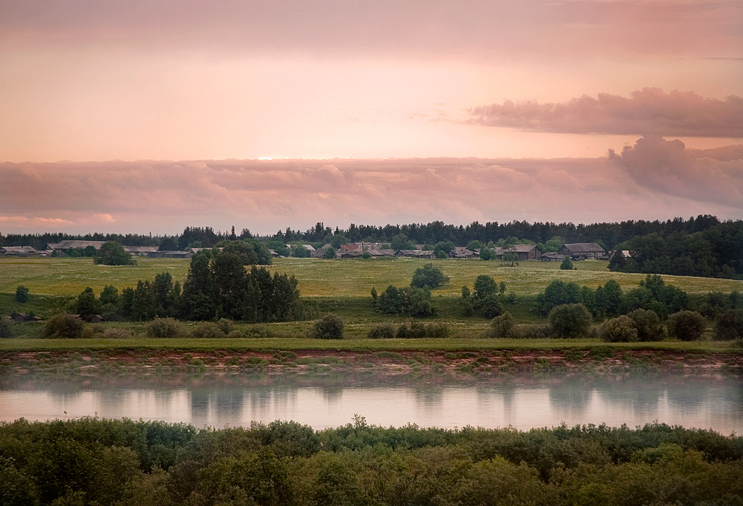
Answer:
(610, 234)
(122, 462)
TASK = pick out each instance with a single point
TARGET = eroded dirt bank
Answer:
(162, 362)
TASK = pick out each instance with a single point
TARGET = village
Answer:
(517, 252)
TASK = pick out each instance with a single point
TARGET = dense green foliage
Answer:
(716, 251)
(429, 276)
(6, 328)
(165, 328)
(570, 320)
(686, 325)
(405, 301)
(329, 326)
(21, 294)
(610, 300)
(566, 264)
(621, 329)
(503, 326)
(112, 253)
(730, 326)
(63, 326)
(102, 462)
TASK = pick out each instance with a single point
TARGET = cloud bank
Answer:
(649, 111)
(654, 178)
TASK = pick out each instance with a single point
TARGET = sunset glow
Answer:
(155, 115)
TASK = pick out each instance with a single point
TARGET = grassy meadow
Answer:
(332, 278)
(337, 286)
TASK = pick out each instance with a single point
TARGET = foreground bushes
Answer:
(92, 461)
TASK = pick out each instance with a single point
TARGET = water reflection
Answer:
(327, 401)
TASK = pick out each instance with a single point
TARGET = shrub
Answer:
(63, 326)
(207, 330)
(417, 330)
(648, 325)
(329, 326)
(618, 330)
(165, 328)
(490, 306)
(6, 328)
(567, 264)
(225, 325)
(686, 325)
(730, 326)
(411, 330)
(407, 301)
(21, 294)
(428, 276)
(235, 334)
(386, 331)
(117, 333)
(533, 331)
(112, 253)
(503, 326)
(92, 331)
(570, 320)
(257, 331)
(437, 330)
(485, 286)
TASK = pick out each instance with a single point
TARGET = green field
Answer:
(331, 278)
(327, 286)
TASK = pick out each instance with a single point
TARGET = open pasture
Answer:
(332, 278)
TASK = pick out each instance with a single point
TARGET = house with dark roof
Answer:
(66, 245)
(320, 252)
(141, 251)
(552, 257)
(462, 252)
(18, 251)
(583, 251)
(416, 253)
(525, 252)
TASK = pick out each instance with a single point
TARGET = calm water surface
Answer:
(523, 402)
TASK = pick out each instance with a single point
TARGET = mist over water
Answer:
(520, 401)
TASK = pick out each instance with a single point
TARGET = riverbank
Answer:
(600, 360)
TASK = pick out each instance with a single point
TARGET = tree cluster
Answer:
(486, 298)
(405, 301)
(217, 286)
(125, 462)
(610, 300)
(714, 252)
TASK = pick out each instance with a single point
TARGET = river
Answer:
(521, 401)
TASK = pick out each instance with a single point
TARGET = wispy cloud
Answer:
(655, 178)
(649, 111)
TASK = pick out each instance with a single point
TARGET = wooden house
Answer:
(583, 251)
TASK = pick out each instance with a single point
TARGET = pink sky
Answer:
(537, 91)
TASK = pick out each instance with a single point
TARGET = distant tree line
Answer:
(701, 246)
(714, 252)
(609, 233)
